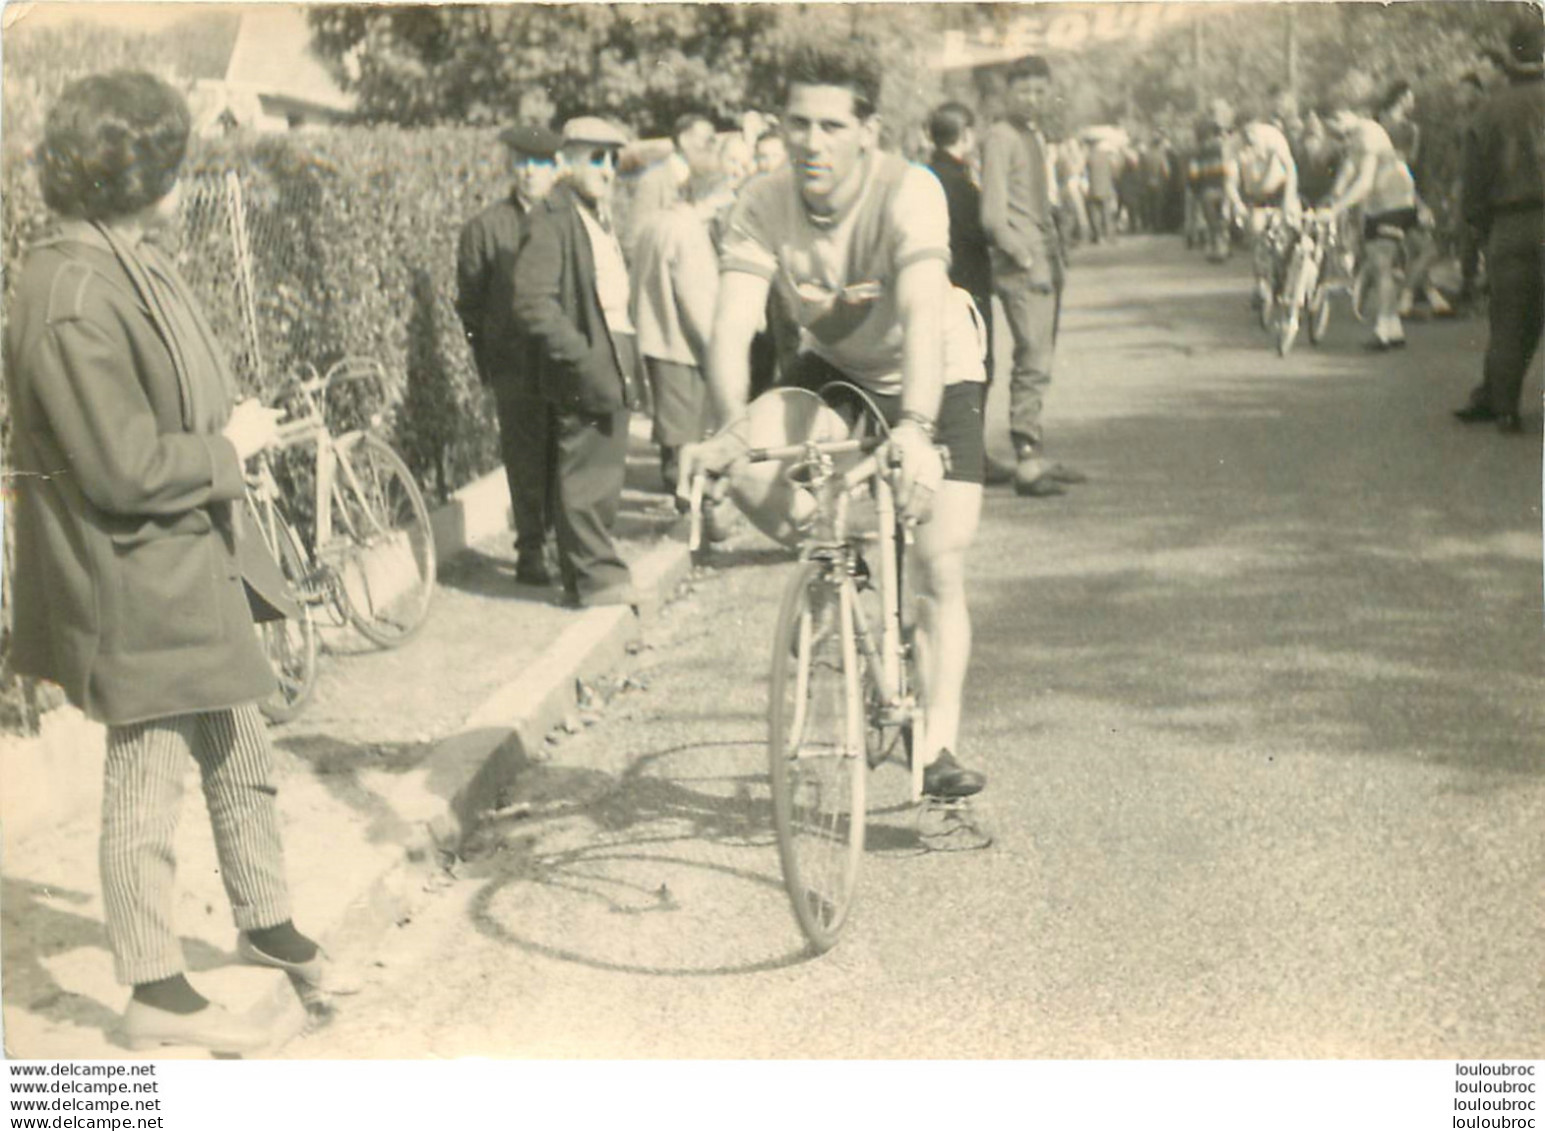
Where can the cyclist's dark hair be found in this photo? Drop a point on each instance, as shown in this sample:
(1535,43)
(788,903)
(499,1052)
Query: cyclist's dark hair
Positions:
(1030,67)
(848,65)
(948,122)
(112,144)
(1398,90)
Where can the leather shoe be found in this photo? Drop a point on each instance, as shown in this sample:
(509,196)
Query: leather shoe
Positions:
(1383,345)
(319,973)
(213,1028)
(533,574)
(1033,478)
(1475,413)
(945,777)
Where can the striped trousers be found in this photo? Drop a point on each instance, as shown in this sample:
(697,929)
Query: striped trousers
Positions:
(141,801)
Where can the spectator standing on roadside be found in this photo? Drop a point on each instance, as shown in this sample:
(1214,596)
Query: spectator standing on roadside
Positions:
(675,283)
(572,295)
(1504,197)
(952,129)
(127,447)
(1069,169)
(772,153)
(1101,198)
(693,141)
(1467,241)
(485,303)
(1027,266)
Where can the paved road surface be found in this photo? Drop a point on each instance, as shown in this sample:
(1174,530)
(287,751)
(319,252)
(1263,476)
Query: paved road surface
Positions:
(1262,709)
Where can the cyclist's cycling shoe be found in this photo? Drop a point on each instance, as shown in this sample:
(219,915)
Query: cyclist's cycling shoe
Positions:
(947,778)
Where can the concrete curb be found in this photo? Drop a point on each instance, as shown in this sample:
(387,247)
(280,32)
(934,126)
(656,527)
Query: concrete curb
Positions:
(471,768)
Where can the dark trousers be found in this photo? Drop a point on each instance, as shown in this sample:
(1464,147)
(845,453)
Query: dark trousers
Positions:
(1032,317)
(1099,218)
(1517,278)
(592,468)
(528,446)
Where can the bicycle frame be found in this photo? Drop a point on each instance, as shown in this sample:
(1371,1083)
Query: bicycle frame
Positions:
(813,468)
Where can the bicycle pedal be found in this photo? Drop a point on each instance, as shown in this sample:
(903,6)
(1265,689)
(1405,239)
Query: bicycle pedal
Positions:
(952,824)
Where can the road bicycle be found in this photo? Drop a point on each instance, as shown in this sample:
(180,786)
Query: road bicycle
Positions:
(1307,284)
(844,696)
(367,554)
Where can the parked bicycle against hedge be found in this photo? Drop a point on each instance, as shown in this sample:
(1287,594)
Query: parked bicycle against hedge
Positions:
(368,555)
(844,697)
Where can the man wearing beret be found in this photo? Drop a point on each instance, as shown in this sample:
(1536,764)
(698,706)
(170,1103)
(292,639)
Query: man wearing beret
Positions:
(485,302)
(571,299)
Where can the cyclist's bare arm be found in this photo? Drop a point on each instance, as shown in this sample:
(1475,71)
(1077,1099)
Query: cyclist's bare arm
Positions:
(1363,168)
(737,314)
(922,292)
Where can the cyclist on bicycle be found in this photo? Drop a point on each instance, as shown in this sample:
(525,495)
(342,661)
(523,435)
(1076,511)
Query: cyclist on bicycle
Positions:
(857,242)
(1373,175)
(1209,176)
(1262,176)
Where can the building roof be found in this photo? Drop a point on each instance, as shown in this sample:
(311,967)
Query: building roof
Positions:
(273,56)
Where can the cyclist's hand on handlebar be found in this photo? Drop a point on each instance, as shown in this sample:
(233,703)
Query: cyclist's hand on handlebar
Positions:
(921,470)
(711,458)
(252,427)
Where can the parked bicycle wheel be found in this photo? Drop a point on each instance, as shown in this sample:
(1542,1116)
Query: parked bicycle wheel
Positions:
(815,750)
(385,568)
(291,644)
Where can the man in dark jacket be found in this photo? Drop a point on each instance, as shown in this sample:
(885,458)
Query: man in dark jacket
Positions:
(485,302)
(571,298)
(952,127)
(1504,197)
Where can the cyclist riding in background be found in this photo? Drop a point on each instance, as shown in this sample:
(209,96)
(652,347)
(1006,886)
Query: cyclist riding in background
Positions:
(857,243)
(1373,176)
(1261,175)
(1209,175)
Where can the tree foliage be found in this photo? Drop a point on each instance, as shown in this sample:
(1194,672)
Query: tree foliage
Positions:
(642,64)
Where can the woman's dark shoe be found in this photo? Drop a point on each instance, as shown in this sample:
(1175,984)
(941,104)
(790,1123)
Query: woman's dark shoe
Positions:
(947,778)
(320,972)
(213,1028)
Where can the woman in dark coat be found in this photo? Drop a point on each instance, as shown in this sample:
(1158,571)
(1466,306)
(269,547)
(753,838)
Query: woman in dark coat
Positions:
(127,454)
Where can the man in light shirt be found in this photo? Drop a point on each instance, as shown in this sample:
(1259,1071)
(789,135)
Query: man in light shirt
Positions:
(571,298)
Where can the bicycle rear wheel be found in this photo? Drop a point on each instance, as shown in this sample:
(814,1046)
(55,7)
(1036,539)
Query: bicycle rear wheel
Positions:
(386,569)
(815,750)
(290,644)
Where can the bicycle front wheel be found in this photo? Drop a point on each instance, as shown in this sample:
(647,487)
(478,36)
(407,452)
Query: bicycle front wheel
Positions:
(385,551)
(290,644)
(815,750)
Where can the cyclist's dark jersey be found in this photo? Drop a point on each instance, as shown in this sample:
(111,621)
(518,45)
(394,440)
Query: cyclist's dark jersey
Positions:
(1317,165)
(1212,157)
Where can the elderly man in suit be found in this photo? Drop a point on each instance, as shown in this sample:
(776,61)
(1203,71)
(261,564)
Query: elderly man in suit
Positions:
(571,298)
(485,303)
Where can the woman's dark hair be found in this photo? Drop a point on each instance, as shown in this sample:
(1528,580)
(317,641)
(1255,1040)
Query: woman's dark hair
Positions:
(847,65)
(112,145)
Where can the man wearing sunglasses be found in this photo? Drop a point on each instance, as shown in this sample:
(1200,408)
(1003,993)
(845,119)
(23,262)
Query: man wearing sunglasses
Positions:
(857,243)
(571,298)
